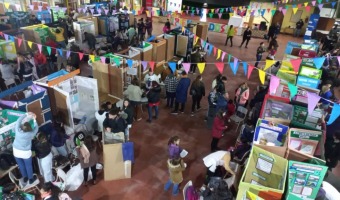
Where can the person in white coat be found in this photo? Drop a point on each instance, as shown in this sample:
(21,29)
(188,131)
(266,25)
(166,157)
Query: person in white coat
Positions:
(100,116)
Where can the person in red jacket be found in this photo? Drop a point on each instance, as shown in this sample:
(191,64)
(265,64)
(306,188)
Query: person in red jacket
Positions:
(217,129)
(40,61)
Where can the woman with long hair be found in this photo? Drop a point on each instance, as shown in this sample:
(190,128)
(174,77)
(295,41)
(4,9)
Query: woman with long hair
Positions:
(153,99)
(197,91)
(217,130)
(127,109)
(242,95)
(88,157)
(173,147)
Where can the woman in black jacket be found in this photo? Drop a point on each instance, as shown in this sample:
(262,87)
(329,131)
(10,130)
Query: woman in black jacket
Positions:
(197,91)
(127,109)
(42,149)
(153,98)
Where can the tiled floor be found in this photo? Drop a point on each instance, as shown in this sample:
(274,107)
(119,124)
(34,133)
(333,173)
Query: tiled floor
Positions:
(149,172)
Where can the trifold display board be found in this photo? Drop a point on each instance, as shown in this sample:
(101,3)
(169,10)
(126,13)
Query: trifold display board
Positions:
(264,176)
(36,33)
(304,180)
(146,51)
(90,19)
(303,119)
(73,96)
(28,97)
(309,77)
(271,136)
(80,28)
(277,109)
(170,46)
(8,50)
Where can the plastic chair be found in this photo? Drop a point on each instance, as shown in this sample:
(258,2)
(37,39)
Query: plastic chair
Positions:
(28,187)
(189,183)
(239,116)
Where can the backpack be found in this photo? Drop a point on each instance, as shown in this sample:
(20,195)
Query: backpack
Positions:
(191,193)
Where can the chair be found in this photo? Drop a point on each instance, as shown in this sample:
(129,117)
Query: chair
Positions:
(28,187)
(189,183)
(239,116)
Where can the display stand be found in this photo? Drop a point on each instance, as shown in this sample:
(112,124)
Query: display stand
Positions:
(91,19)
(170,46)
(74,97)
(146,51)
(36,33)
(80,28)
(202,31)
(7,50)
(277,110)
(158,50)
(265,175)
(28,97)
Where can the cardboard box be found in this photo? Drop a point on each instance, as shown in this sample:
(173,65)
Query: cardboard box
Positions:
(170,46)
(202,31)
(159,50)
(114,167)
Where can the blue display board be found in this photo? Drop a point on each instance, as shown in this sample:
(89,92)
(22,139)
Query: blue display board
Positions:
(313,22)
(307,82)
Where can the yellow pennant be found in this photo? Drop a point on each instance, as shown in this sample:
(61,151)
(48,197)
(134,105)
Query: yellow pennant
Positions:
(196,39)
(218,53)
(294,10)
(29,44)
(147,13)
(269,63)
(306,4)
(183,29)
(201,67)
(7,5)
(92,58)
(231,14)
(262,76)
(212,10)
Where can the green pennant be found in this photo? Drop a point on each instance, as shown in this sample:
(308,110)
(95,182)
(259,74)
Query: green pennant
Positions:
(229,58)
(320,1)
(221,10)
(117,61)
(292,89)
(48,50)
(211,15)
(273,12)
(287,7)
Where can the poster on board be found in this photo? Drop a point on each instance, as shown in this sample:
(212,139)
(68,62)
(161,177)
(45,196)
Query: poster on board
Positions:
(304,180)
(270,132)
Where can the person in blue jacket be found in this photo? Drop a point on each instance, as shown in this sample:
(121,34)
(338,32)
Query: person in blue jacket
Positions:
(22,145)
(181,93)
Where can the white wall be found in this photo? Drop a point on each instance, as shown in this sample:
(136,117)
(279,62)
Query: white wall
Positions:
(174,8)
(327,12)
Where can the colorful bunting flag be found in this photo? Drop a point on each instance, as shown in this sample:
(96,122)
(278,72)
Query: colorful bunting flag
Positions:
(145,65)
(81,55)
(29,44)
(293,89)
(245,68)
(215,51)
(313,100)
(152,65)
(269,63)
(295,10)
(296,64)
(92,58)
(223,54)
(306,4)
(284,11)
(219,15)
(320,6)
(68,53)
(129,62)
(60,52)
(5,36)
(319,62)
(307,8)
(219,54)
(234,66)
(262,76)
(273,12)
(334,114)
(229,58)
(186,67)
(201,67)
(220,67)
(274,83)
(333,4)
(117,61)
(19,41)
(103,59)
(313,3)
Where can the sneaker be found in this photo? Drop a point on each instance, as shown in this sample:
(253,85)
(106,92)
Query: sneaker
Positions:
(31,181)
(174,112)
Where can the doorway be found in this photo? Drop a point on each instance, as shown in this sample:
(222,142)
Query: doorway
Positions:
(277,18)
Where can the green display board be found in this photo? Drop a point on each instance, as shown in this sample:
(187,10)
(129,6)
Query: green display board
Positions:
(291,78)
(58,14)
(304,141)
(302,119)
(304,180)
(43,33)
(310,72)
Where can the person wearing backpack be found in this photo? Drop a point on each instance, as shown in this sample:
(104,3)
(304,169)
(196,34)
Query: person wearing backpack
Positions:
(197,91)
(175,166)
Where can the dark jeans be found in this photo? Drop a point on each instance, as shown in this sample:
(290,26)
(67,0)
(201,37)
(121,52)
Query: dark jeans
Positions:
(258,58)
(94,173)
(196,100)
(245,40)
(231,40)
(141,36)
(25,167)
(214,143)
(150,111)
(193,68)
(177,106)
(170,97)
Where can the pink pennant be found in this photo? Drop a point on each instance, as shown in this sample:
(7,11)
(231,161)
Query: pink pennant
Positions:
(186,67)
(313,100)
(103,59)
(219,15)
(308,8)
(106,11)
(217,10)
(81,55)
(338,59)
(188,7)
(187,11)
(31,7)
(280,8)
(39,47)
(296,64)
(220,67)
(79,10)
(250,70)
(313,3)
(152,65)
(268,10)
(19,41)
(274,83)
(223,54)
(299,5)
(145,65)
(6,36)
(215,49)
(284,11)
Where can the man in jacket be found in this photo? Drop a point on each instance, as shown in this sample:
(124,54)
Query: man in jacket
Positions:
(246,37)
(113,123)
(259,52)
(298,28)
(181,93)
(171,83)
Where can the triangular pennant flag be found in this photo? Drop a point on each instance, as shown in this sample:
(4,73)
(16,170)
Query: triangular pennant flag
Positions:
(299,5)
(338,59)
(268,10)
(145,65)
(211,15)
(269,63)
(152,65)
(6,5)
(60,52)
(12,38)
(313,100)
(273,12)
(5,36)
(320,1)
(29,44)
(19,41)
(296,64)
(211,47)
(293,89)
(48,50)
(186,67)
(201,67)
(68,53)
(215,51)
(319,62)
(334,114)
(231,14)
(172,66)
(117,61)
(223,54)
(313,3)
(212,10)
(284,11)
(262,76)
(320,6)
(234,66)
(280,8)
(333,4)
(308,8)
(250,70)
(103,59)
(129,62)
(220,67)
(92,57)
(229,58)
(245,68)
(196,39)
(81,55)
(219,15)
(294,10)
(219,51)
(274,83)
(306,4)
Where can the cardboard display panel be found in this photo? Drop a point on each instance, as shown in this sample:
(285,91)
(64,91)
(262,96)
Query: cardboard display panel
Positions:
(113,162)
(182,44)
(159,50)
(92,19)
(116,82)
(170,46)
(202,31)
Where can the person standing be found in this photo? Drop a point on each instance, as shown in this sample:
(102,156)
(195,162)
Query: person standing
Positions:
(242,95)
(217,130)
(195,58)
(246,37)
(141,29)
(298,27)
(175,167)
(272,47)
(197,91)
(22,145)
(153,99)
(91,40)
(127,109)
(40,62)
(134,94)
(88,158)
(42,149)
(171,83)
(148,26)
(260,50)
(181,93)
(59,37)
(271,32)
(173,147)
(100,117)
(230,35)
